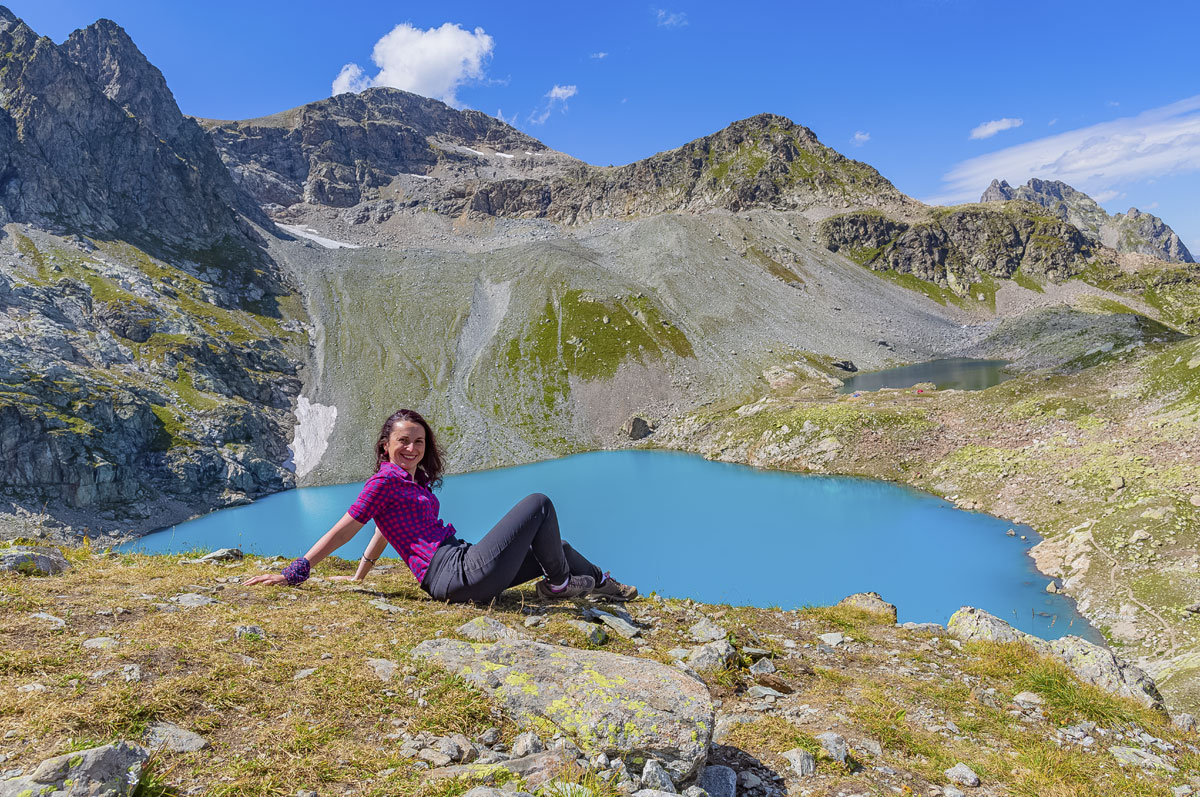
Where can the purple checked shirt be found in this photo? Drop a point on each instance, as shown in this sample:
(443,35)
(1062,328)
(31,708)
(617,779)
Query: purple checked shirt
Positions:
(405,513)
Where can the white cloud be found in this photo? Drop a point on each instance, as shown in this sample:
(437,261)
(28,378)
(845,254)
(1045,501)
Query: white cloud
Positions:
(599,55)
(670,19)
(433,63)
(511,120)
(1104,196)
(989,129)
(555,98)
(1052,122)
(860,138)
(1158,142)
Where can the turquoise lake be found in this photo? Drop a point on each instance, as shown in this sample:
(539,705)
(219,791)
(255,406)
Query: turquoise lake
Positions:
(683,526)
(953,373)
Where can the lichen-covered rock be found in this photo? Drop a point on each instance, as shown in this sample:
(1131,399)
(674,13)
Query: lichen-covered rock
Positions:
(871,602)
(33,560)
(109,771)
(620,705)
(1091,663)
(485,629)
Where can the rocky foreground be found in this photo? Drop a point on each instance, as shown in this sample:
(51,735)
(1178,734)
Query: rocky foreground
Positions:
(166,673)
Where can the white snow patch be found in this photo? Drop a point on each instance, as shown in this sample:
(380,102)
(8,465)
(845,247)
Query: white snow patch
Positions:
(421,176)
(310,234)
(477,152)
(505,155)
(314,424)
(527,152)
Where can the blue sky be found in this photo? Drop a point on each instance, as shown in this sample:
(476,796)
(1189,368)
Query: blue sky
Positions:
(1103,95)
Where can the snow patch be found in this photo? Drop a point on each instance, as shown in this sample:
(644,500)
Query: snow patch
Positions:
(311,234)
(314,424)
(505,155)
(527,152)
(477,152)
(421,176)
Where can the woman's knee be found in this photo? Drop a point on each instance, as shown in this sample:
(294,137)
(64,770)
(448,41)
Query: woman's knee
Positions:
(538,501)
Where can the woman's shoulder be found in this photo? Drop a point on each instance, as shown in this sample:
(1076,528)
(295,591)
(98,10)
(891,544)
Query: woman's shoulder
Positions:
(392,475)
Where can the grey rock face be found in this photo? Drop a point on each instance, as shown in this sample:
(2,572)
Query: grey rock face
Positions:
(485,629)
(604,702)
(1092,663)
(1132,231)
(637,428)
(37,560)
(109,771)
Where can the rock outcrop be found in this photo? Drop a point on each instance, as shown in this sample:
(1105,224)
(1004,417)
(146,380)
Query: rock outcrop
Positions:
(607,703)
(965,244)
(113,770)
(1092,663)
(1132,231)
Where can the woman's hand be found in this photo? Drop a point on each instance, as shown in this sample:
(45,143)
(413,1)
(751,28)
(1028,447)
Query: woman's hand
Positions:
(354,579)
(271,579)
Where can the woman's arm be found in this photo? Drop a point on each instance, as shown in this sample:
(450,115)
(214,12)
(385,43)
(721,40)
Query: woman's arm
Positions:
(374,548)
(335,538)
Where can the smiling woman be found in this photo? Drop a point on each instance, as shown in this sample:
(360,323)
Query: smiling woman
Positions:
(399,498)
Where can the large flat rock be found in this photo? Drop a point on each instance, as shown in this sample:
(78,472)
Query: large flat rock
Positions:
(623,706)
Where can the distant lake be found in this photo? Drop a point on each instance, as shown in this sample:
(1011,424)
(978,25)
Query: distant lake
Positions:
(955,373)
(683,526)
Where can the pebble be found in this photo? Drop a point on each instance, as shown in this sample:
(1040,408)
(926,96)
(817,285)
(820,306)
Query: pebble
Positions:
(654,776)
(762,667)
(962,774)
(302,674)
(243,631)
(57,622)
(192,600)
(527,744)
(834,639)
(594,634)
(100,643)
(803,763)
(706,631)
(835,745)
(173,739)
(384,669)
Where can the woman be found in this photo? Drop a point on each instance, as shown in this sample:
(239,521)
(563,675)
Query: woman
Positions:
(524,545)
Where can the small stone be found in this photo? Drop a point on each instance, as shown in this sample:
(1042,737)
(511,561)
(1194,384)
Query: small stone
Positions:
(484,629)
(591,632)
(1029,700)
(870,746)
(535,620)
(384,669)
(654,776)
(435,757)
(527,744)
(1141,535)
(489,737)
(835,745)
(712,656)
(803,763)
(1140,758)
(963,775)
(192,600)
(30,688)
(682,653)
(953,791)
(57,622)
(1184,721)
(756,653)
(748,780)
(706,631)
(132,673)
(774,682)
(1052,588)
(302,674)
(100,643)
(718,781)
(251,631)
(762,667)
(382,605)
(759,692)
(1116,483)
(834,639)
(1011,532)
(694,791)
(1194,500)
(173,739)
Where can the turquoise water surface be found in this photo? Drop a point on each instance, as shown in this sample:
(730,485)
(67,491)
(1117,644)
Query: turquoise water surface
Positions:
(687,527)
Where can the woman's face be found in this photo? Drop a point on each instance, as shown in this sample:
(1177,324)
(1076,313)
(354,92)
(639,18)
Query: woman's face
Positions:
(406,446)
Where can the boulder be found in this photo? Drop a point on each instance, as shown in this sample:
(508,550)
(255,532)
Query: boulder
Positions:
(871,602)
(1092,663)
(803,763)
(535,770)
(719,781)
(637,428)
(623,706)
(712,656)
(109,771)
(33,560)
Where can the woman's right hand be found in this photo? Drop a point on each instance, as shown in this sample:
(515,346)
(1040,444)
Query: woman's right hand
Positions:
(270,579)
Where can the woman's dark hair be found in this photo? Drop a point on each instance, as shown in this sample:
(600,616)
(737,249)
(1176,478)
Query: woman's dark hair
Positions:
(429,470)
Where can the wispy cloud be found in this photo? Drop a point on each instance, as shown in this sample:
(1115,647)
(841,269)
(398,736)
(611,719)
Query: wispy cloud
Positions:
(433,62)
(599,55)
(1104,196)
(670,19)
(989,129)
(859,138)
(511,120)
(555,98)
(1154,143)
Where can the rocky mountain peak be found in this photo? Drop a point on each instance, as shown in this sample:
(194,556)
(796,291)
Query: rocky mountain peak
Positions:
(110,59)
(1134,231)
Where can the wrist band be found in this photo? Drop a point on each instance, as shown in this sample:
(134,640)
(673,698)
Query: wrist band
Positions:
(297,572)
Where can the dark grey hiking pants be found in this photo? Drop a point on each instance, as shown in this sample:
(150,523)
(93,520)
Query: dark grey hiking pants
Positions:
(523,546)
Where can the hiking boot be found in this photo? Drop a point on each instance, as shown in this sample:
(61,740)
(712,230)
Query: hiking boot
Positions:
(577,587)
(611,589)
